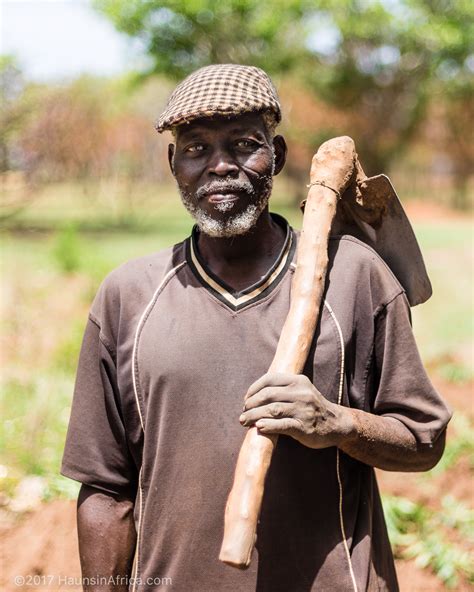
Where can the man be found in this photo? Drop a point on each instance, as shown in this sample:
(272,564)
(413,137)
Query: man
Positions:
(175,340)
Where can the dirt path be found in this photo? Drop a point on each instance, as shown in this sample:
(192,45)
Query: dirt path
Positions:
(41,548)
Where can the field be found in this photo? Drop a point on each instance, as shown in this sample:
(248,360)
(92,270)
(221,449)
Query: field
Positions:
(54,255)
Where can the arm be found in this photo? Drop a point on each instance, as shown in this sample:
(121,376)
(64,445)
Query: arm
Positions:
(107,538)
(290,405)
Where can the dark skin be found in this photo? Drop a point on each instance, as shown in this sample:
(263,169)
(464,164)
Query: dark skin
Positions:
(240,148)
(107,537)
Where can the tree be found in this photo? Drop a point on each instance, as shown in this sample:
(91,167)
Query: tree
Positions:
(379,62)
(388,63)
(181,35)
(64,138)
(12,111)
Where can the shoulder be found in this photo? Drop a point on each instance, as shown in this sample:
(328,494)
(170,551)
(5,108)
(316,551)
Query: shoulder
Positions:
(127,289)
(358,270)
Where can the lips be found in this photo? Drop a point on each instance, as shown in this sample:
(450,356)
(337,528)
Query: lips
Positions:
(222,197)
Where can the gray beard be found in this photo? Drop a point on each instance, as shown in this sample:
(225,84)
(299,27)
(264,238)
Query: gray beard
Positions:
(232,225)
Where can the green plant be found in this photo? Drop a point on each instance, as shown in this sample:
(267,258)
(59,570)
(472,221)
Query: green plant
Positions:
(455,372)
(35,414)
(461,443)
(66,251)
(65,357)
(58,486)
(417,533)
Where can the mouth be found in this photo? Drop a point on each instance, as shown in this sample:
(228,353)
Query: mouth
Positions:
(219,198)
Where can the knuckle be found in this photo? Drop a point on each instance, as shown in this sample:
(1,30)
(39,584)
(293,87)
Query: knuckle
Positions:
(276,410)
(301,426)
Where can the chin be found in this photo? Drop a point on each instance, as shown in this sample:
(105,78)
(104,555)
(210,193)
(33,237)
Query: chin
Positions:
(226,225)
(235,225)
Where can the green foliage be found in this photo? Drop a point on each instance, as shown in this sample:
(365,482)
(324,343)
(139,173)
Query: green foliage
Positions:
(457,515)
(455,372)
(58,486)
(180,36)
(462,444)
(66,355)
(388,64)
(382,63)
(66,251)
(443,325)
(35,413)
(12,111)
(416,532)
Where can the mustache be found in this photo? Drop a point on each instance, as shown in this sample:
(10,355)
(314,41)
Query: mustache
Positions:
(224,186)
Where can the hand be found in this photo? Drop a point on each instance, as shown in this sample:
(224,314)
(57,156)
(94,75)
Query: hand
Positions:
(291,405)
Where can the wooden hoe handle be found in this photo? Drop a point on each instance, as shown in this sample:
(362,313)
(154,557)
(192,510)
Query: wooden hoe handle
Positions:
(332,169)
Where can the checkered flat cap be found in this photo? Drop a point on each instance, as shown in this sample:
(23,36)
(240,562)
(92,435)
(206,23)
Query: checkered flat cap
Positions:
(220,89)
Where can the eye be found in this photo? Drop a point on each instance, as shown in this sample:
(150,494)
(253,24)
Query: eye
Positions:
(194,148)
(246,144)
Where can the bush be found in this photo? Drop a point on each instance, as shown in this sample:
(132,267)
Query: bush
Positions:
(66,250)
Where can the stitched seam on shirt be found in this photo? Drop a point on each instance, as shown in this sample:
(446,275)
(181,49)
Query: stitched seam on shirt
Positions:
(356,241)
(335,332)
(103,339)
(338,473)
(141,324)
(95,320)
(234,313)
(378,311)
(383,306)
(139,531)
(368,366)
(273,293)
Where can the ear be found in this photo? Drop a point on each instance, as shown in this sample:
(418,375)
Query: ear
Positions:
(171,148)
(281,150)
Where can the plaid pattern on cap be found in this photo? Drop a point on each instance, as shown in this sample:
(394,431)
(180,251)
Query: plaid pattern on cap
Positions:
(220,89)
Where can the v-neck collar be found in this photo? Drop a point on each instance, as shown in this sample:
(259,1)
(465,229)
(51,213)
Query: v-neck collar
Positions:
(238,299)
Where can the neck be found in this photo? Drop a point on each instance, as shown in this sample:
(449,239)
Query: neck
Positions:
(242,259)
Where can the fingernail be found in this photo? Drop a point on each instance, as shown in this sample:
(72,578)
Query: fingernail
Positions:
(242,417)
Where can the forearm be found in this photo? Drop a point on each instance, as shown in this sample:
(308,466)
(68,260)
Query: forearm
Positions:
(385,443)
(290,405)
(107,538)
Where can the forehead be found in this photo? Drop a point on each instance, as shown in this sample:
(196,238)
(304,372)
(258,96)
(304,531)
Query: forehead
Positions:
(247,122)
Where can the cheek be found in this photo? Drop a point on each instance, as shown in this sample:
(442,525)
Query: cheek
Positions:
(186,176)
(259,165)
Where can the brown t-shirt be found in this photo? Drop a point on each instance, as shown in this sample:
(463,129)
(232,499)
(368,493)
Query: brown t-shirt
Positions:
(168,354)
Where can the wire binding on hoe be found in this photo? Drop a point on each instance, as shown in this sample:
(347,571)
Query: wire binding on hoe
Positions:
(323,184)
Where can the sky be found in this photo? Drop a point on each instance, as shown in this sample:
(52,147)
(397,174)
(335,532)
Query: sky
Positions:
(56,40)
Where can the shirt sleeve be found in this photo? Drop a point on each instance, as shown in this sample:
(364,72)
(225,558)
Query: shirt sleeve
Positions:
(403,389)
(96,451)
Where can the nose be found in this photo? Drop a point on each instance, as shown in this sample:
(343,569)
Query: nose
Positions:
(222,164)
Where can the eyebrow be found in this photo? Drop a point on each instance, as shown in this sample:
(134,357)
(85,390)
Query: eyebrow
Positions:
(200,130)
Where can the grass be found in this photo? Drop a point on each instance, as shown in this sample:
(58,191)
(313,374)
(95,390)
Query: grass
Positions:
(460,445)
(443,326)
(416,532)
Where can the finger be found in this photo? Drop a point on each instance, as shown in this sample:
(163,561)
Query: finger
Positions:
(284,427)
(274,410)
(270,394)
(270,379)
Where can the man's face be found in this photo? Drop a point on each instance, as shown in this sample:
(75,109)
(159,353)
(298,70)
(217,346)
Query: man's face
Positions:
(224,168)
